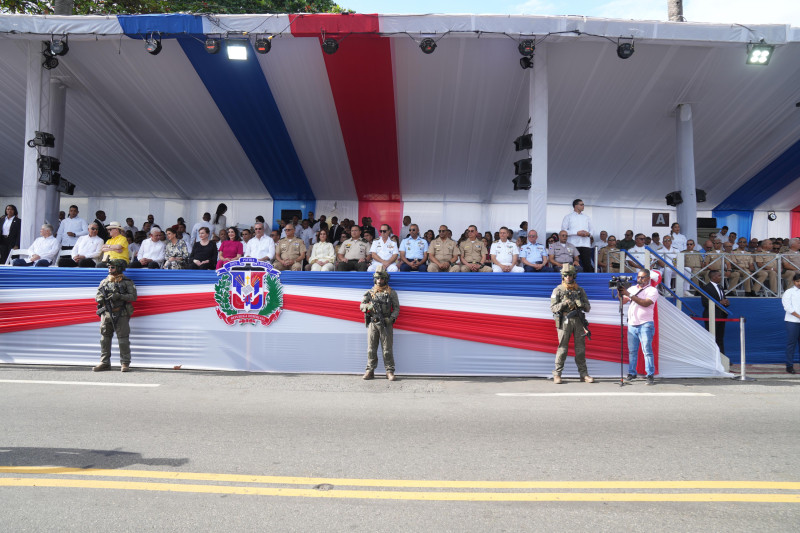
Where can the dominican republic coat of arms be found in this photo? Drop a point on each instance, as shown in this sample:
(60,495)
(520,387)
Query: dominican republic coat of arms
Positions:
(248,291)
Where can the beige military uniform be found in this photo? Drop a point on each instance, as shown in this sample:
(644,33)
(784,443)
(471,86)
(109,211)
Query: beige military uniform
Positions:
(768,259)
(743,266)
(443,251)
(793,260)
(289,249)
(713,261)
(609,257)
(472,252)
(357,249)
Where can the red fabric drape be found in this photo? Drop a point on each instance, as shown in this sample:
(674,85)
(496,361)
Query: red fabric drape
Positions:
(795,221)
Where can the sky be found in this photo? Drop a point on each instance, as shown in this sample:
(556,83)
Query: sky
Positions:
(723,11)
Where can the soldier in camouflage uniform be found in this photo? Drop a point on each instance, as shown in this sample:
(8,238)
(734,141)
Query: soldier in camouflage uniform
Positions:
(568,303)
(380,306)
(119,291)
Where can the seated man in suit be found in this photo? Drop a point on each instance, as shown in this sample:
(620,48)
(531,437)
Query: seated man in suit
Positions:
(714,288)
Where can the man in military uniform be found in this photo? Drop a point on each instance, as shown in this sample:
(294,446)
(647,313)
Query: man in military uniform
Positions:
(767,266)
(568,304)
(380,306)
(114,297)
(742,267)
(473,253)
(692,265)
(353,252)
(608,256)
(443,253)
(290,251)
(563,253)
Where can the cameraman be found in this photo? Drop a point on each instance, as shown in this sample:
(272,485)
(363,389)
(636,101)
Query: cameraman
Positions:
(641,325)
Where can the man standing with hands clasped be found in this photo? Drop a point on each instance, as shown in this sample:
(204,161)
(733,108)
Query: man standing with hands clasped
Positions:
(641,323)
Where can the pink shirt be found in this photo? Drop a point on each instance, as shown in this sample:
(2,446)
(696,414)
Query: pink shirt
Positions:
(638,315)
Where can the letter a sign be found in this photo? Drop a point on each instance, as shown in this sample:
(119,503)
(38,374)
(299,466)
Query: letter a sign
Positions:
(660,219)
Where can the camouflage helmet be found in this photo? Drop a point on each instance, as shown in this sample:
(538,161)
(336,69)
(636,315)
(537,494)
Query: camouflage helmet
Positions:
(118,264)
(380,273)
(568,270)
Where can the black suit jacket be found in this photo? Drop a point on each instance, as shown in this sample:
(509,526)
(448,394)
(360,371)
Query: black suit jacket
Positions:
(710,289)
(102,232)
(12,240)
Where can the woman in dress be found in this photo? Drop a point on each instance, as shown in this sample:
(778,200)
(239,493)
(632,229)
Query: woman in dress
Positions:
(175,251)
(322,254)
(231,248)
(204,252)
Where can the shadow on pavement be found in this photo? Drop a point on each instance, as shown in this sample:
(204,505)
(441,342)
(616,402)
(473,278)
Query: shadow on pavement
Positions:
(80,458)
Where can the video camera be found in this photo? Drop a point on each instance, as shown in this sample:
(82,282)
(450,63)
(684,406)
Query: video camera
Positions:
(620,282)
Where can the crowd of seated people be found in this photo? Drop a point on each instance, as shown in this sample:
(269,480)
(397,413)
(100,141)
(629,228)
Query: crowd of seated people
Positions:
(748,267)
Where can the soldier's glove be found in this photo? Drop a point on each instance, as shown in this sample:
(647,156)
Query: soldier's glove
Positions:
(116,298)
(366,307)
(579,304)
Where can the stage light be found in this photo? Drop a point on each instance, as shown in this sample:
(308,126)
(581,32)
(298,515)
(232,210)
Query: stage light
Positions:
(523,166)
(43,139)
(701,195)
(522,182)
(49,62)
(65,186)
(625,50)
(49,177)
(526,62)
(772,216)
(212,46)
(759,54)
(524,142)
(237,49)
(263,46)
(330,46)
(526,48)
(153,45)
(427,45)
(59,47)
(46,162)
(674,198)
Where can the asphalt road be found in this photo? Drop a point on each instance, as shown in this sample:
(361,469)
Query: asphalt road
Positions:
(207,451)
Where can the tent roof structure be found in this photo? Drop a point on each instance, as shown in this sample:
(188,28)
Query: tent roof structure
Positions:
(380,120)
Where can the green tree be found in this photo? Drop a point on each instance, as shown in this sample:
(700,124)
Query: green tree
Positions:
(97,7)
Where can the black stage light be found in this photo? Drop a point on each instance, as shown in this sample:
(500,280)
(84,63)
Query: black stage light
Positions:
(625,50)
(263,46)
(65,186)
(522,182)
(47,162)
(212,46)
(700,194)
(427,45)
(49,177)
(524,142)
(526,48)
(49,62)
(59,47)
(525,62)
(674,198)
(329,46)
(772,216)
(759,54)
(523,166)
(153,45)
(44,139)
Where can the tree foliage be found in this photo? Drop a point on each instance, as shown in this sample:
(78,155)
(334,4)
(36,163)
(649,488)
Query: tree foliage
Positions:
(101,7)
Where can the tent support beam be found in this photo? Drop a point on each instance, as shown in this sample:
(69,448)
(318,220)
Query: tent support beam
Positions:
(538,107)
(33,207)
(684,171)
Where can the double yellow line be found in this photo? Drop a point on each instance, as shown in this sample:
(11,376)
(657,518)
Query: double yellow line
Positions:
(449,490)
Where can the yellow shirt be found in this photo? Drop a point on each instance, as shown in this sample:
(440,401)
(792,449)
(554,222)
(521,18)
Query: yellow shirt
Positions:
(122,241)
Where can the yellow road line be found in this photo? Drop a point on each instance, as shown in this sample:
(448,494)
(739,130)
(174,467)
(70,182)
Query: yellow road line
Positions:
(407,483)
(401,495)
